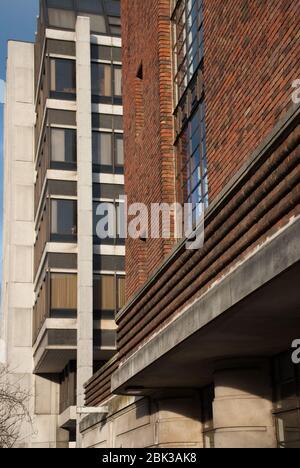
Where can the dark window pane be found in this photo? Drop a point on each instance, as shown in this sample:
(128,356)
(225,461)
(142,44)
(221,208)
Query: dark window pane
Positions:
(117,81)
(101,52)
(104,293)
(64,19)
(102,149)
(64,217)
(119,150)
(63,76)
(101,80)
(61,4)
(118,122)
(92,6)
(63,145)
(117,54)
(63,292)
(113,7)
(98,24)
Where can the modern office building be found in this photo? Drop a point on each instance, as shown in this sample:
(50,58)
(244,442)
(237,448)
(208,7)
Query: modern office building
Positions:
(205,338)
(62,285)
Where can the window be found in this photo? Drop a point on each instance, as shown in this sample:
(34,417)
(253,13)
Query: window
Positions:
(63,220)
(119,150)
(61,18)
(101,80)
(106,83)
(114,25)
(121,292)
(286,381)
(93,6)
(187,42)
(189,102)
(102,150)
(63,148)
(109,54)
(98,24)
(108,154)
(114,238)
(106,121)
(68,4)
(192,186)
(63,79)
(109,293)
(63,297)
(117,81)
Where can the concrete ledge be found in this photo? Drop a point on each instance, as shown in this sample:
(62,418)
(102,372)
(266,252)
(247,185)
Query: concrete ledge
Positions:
(68,417)
(268,261)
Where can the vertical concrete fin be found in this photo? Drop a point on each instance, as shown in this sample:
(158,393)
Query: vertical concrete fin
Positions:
(85,213)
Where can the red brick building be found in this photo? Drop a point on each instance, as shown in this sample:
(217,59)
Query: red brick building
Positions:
(205,339)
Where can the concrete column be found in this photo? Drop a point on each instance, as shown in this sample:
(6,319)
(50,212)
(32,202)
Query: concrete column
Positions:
(85,214)
(243,405)
(177,420)
(18,221)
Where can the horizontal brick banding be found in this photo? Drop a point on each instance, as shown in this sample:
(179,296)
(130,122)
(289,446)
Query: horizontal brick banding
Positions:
(98,387)
(268,196)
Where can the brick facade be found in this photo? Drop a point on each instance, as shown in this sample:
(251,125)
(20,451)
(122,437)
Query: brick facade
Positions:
(252,52)
(148,124)
(251,57)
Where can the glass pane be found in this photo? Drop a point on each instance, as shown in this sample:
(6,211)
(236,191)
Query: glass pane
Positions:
(63,292)
(93,6)
(102,149)
(70,146)
(117,81)
(64,217)
(97,22)
(61,3)
(119,150)
(112,7)
(117,54)
(63,76)
(63,145)
(121,293)
(101,52)
(104,293)
(61,18)
(58,145)
(101,79)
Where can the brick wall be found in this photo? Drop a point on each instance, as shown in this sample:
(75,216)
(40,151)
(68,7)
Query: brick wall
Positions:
(148,124)
(252,56)
(252,51)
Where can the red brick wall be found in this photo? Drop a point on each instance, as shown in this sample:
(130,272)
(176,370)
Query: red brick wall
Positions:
(252,56)
(149,171)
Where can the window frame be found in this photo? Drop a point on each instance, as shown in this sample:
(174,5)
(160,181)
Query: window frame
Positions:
(63,165)
(62,95)
(61,237)
(116,241)
(113,99)
(114,168)
(62,312)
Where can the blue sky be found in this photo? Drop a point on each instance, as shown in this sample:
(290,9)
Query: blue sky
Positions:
(18,22)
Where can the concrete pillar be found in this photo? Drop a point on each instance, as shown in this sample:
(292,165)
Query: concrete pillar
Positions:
(85,213)
(243,405)
(177,419)
(18,221)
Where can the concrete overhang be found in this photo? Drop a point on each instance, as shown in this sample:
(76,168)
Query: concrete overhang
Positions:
(67,420)
(252,311)
(55,346)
